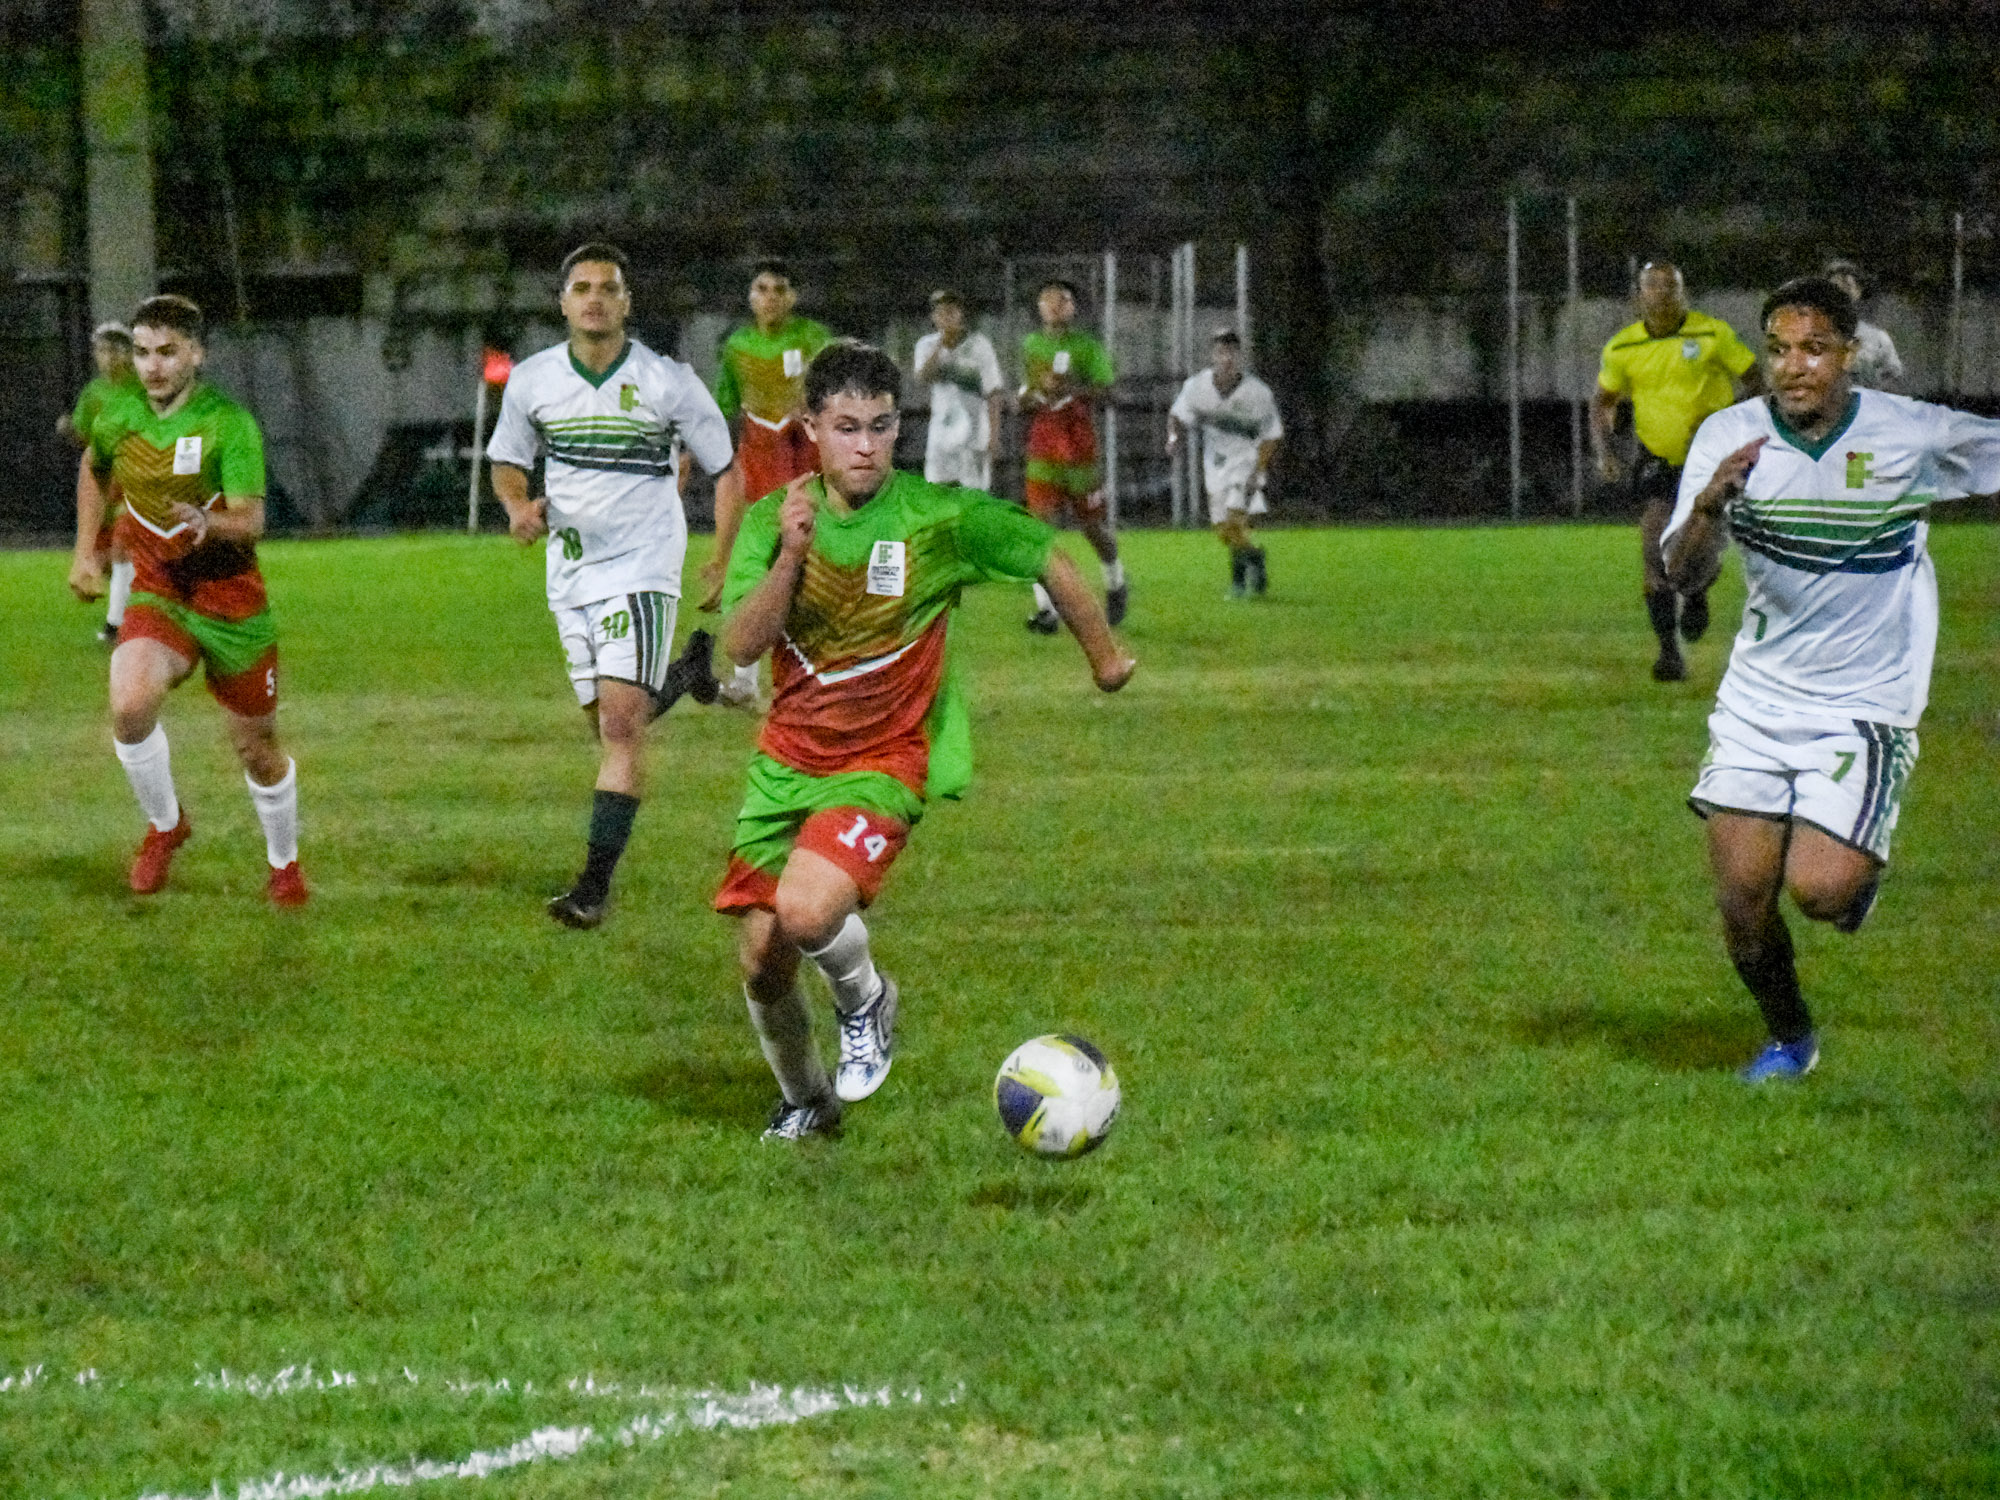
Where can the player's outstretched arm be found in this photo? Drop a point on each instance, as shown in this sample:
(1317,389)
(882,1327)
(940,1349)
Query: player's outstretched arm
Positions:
(1110,665)
(757,624)
(86,567)
(1694,555)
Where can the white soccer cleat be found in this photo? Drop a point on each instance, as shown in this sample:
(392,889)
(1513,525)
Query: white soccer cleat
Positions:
(867,1045)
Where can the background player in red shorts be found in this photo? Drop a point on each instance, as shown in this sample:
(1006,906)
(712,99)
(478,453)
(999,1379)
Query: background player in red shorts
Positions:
(187,465)
(1068,375)
(760,386)
(849,578)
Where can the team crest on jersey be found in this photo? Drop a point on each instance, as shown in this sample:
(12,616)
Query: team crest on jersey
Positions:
(1857,470)
(628,396)
(1690,349)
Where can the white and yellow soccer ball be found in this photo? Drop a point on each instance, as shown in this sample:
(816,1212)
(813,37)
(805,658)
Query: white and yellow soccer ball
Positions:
(1057,1096)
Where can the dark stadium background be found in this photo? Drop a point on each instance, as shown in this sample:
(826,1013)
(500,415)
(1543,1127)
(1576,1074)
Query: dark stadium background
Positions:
(418,170)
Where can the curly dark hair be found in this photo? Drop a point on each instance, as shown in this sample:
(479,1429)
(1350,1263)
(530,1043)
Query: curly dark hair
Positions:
(851,367)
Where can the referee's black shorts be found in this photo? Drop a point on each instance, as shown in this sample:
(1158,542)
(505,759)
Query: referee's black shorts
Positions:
(1653,478)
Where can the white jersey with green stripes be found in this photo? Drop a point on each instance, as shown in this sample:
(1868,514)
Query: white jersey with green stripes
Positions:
(1841,620)
(613,444)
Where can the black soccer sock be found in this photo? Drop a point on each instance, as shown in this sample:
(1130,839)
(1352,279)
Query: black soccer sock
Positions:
(1239,567)
(1660,610)
(1771,975)
(1256,570)
(611,815)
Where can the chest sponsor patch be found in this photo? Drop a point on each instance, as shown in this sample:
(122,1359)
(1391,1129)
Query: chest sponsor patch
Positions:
(795,363)
(888,570)
(1060,364)
(187,454)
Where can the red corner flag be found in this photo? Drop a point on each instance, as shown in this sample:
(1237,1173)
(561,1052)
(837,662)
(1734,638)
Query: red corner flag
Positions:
(499,364)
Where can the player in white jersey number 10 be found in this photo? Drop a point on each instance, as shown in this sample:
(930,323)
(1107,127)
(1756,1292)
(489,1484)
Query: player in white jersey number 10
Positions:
(1824,488)
(614,421)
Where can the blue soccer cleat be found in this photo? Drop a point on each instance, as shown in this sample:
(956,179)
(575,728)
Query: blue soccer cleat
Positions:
(1782,1060)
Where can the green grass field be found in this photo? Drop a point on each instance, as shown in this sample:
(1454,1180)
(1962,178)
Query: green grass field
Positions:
(1433,1178)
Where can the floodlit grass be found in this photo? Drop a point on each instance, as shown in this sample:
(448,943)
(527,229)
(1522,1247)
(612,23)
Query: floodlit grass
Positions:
(1432,1181)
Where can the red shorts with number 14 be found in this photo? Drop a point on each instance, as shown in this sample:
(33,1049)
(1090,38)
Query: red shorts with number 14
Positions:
(861,843)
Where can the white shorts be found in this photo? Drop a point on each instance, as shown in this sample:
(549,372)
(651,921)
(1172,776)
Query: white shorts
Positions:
(627,638)
(1238,497)
(1846,782)
(966,465)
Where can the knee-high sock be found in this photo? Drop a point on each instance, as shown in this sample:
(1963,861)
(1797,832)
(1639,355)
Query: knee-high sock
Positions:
(120,592)
(784,1031)
(844,960)
(149,768)
(1660,610)
(278,810)
(1770,973)
(1114,574)
(611,815)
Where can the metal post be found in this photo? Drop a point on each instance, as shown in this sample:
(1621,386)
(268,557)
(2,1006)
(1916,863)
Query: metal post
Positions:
(1111,410)
(1954,358)
(1176,363)
(1513,360)
(1572,356)
(1243,301)
(1191,353)
(478,448)
(118,156)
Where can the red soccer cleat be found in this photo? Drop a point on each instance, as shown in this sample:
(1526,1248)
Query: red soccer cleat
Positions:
(288,886)
(149,865)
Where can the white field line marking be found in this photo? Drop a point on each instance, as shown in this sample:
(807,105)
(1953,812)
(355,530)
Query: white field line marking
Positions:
(700,1411)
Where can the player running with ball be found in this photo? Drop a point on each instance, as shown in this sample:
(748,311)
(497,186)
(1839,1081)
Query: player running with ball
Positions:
(849,577)
(1825,489)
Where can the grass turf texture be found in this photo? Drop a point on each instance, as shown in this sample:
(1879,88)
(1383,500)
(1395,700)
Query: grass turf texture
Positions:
(1432,1179)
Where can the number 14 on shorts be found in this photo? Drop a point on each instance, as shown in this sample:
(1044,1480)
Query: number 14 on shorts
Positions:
(858,838)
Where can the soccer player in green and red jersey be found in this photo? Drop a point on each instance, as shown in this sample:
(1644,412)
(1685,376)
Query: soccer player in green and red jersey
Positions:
(187,465)
(849,577)
(760,386)
(111,350)
(1068,376)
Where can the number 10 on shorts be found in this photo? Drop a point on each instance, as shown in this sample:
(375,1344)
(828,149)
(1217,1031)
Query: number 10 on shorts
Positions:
(874,845)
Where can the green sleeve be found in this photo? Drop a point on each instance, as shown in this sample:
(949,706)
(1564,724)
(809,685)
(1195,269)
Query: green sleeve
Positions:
(755,550)
(89,402)
(998,541)
(241,470)
(1736,356)
(728,395)
(1101,372)
(818,336)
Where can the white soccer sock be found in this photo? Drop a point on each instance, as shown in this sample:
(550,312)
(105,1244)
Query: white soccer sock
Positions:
(845,962)
(121,590)
(150,770)
(784,1031)
(278,811)
(1043,602)
(746,680)
(1114,573)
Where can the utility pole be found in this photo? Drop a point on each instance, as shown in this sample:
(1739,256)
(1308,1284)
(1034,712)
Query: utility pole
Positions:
(118,157)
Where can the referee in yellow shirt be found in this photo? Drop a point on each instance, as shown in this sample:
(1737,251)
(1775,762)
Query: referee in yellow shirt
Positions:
(1676,366)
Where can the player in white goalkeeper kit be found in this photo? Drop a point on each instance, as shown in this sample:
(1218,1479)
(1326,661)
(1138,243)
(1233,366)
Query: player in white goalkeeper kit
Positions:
(613,419)
(1824,488)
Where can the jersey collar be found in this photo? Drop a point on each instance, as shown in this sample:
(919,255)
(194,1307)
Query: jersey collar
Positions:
(591,375)
(1811,449)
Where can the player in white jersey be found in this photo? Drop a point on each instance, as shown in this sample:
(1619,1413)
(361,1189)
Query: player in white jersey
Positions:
(1876,363)
(963,373)
(1238,420)
(1824,488)
(614,421)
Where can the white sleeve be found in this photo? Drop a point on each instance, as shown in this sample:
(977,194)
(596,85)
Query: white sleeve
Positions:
(923,350)
(703,431)
(1274,426)
(1182,411)
(989,364)
(514,439)
(1714,442)
(1968,453)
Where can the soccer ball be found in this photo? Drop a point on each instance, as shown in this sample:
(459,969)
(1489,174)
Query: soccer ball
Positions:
(1057,1096)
